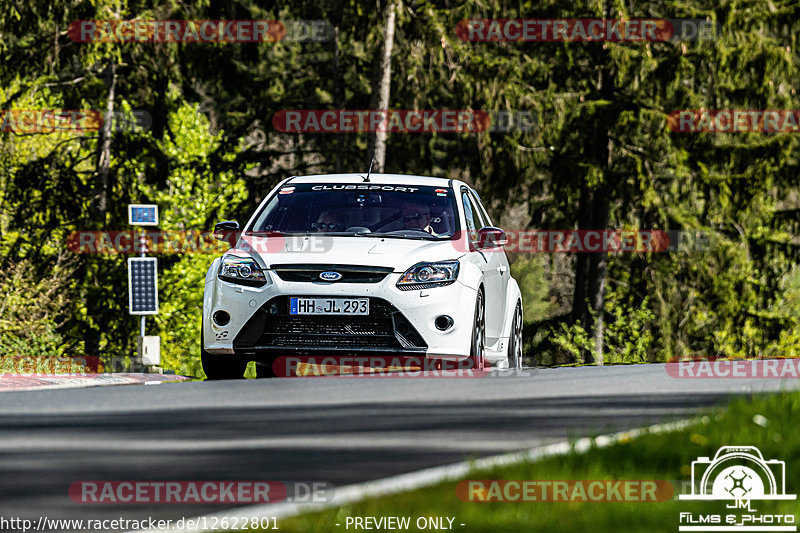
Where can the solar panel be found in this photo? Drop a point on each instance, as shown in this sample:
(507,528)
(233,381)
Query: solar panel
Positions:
(142,285)
(143,214)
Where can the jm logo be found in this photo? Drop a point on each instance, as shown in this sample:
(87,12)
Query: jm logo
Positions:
(741,504)
(738,473)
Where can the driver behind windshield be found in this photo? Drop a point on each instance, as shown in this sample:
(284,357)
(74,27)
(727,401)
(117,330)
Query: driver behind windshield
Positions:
(329,221)
(417,216)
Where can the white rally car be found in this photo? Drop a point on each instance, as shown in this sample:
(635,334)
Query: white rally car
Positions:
(345,264)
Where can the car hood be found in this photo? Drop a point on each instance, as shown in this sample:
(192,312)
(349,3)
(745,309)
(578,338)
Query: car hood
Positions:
(399,254)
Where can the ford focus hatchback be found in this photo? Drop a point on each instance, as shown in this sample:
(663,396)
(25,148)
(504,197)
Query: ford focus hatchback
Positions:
(343,265)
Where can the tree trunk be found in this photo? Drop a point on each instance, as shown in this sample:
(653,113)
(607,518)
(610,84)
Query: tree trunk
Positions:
(590,273)
(104,147)
(594,208)
(579,312)
(600,220)
(338,97)
(100,203)
(597,277)
(378,140)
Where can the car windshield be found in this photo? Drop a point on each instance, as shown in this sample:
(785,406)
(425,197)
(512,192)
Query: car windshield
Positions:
(364,209)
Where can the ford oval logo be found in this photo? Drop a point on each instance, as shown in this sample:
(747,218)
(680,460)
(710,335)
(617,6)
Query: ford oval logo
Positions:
(330,276)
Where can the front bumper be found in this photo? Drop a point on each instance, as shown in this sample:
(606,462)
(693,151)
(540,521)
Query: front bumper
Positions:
(400,322)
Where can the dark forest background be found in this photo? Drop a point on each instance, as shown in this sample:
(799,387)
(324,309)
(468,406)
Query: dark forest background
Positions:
(601,156)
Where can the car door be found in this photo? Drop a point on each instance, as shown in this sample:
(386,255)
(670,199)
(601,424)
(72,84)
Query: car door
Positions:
(501,273)
(491,264)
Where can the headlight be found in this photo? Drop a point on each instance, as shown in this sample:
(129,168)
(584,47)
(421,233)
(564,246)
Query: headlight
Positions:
(242,270)
(428,275)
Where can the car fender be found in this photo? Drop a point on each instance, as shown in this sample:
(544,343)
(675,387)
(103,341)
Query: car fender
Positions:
(470,275)
(513,295)
(497,352)
(211,273)
(208,297)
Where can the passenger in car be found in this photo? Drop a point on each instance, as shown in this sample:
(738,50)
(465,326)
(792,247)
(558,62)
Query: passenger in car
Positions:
(417,216)
(329,221)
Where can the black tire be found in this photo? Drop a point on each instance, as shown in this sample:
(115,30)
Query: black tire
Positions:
(477,352)
(515,340)
(220,366)
(265,371)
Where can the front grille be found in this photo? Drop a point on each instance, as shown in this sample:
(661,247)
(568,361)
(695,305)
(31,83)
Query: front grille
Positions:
(328,325)
(331,342)
(273,326)
(350,273)
(299,330)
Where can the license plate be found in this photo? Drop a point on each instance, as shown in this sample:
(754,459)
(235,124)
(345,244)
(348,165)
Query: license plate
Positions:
(328,306)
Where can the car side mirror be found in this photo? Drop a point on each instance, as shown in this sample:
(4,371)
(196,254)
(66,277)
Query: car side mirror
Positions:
(222,230)
(491,237)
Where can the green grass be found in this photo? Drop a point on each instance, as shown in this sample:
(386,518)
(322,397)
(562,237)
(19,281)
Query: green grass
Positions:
(768,422)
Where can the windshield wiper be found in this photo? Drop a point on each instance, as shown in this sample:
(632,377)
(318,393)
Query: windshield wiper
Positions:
(272,233)
(398,236)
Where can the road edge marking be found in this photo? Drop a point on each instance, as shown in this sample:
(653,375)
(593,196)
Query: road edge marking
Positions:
(426,477)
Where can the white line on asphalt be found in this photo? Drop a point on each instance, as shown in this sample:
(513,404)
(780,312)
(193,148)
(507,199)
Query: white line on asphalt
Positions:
(422,478)
(39,382)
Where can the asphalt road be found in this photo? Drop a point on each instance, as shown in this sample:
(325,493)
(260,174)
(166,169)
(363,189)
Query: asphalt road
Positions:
(338,431)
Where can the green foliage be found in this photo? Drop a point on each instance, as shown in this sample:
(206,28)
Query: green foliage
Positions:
(788,304)
(179,317)
(571,338)
(628,335)
(32,310)
(786,312)
(530,275)
(602,149)
(194,196)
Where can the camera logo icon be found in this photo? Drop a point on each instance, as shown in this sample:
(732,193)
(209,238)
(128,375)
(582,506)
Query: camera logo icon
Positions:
(738,473)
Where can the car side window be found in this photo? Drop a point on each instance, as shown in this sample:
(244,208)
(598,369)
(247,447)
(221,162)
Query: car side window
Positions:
(471,216)
(482,215)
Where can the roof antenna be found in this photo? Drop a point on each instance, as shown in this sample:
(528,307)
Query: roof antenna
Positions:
(370,169)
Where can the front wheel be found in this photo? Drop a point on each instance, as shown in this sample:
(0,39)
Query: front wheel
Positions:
(222,366)
(477,355)
(265,371)
(515,340)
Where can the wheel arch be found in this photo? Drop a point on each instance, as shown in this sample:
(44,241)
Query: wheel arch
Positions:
(513,296)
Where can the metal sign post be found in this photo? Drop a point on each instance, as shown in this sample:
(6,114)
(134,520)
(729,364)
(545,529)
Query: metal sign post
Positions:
(143,285)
